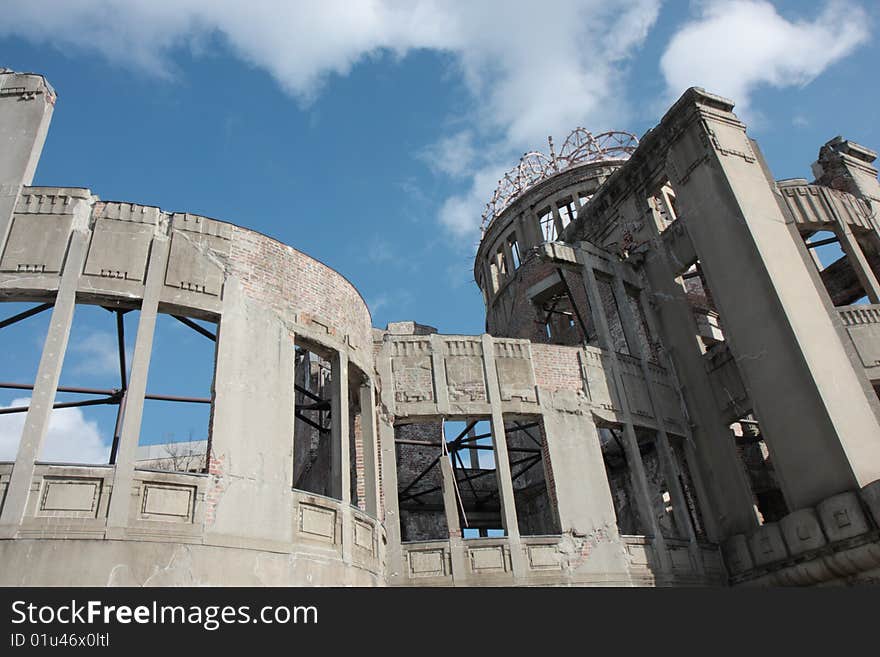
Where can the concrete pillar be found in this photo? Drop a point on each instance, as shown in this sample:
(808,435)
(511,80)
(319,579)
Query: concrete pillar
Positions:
(123,476)
(811,402)
(39,412)
(253,422)
(858,261)
(25,113)
(846,165)
(450,497)
(502,463)
(557,221)
(340,458)
(630,442)
(525,236)
(368,437)
(395,565)
(532,227)
(508,256)
(457,549)
(700,494)
(667,459)
(583,495)
(716,463)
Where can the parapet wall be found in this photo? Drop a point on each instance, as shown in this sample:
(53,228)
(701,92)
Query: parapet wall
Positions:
(240,522)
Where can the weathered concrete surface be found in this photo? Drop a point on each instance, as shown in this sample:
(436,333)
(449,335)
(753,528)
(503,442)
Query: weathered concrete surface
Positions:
(43,562)
(673,297)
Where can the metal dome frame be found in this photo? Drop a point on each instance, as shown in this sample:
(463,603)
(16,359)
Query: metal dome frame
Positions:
(580,147)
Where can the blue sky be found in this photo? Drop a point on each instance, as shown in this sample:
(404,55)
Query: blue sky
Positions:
(370,135)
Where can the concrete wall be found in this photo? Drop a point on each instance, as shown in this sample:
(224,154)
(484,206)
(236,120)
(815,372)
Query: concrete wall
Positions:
(67,247)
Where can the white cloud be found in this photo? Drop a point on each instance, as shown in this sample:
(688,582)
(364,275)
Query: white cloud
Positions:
(71,438)
(733,47)
(399,300)
(453,155)
(97,354)
(533,69)
(377,303)
(461,214)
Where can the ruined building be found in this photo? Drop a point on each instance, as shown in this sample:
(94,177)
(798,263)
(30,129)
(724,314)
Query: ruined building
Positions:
(672,388)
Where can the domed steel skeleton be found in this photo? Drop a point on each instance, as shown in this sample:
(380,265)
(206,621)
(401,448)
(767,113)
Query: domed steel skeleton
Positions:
(580,147)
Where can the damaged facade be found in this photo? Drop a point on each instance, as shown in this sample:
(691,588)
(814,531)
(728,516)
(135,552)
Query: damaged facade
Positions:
(672,389)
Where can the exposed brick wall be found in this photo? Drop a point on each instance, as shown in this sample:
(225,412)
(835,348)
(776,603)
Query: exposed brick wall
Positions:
(428,524)
(380,484)
(556,367)
(217,470)
(357,440)
(288,280)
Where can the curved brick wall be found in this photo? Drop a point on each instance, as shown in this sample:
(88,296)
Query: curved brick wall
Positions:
(290,281)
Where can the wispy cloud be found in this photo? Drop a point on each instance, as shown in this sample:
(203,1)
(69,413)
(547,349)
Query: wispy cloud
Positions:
(400,300)
(378,302)
(734,47)
(97,354)
(453,156)
(532,69)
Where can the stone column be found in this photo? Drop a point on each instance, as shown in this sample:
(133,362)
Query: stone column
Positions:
(450,497)
(699,493)
(508,256)
(340,466)
(252,423)
(857,260)
(123,476)
(368,436)
(846,165)
(630,442)
(25,113)
(727,501)
(395,564)
(39,412)
(502,463)
(582,492)
(526,233)
(340,447)
(457,550)
(811,402)
(664,451)
(557,220)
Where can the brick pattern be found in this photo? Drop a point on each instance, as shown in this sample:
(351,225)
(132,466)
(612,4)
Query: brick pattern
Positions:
(217,470)
(288,280)
(557,367)
(380,484)
(513,315)
(357,440)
